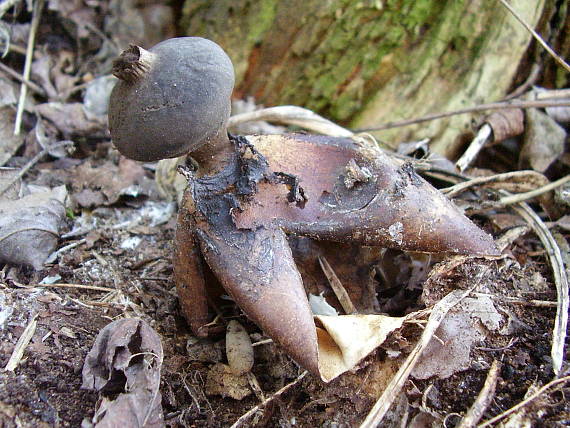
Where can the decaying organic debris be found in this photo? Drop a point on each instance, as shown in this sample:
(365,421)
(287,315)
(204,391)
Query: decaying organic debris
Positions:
(248,193)
(124,367)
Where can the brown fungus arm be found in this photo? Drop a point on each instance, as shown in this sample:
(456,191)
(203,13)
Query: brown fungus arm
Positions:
(257,269)
(356,195)
(188,273)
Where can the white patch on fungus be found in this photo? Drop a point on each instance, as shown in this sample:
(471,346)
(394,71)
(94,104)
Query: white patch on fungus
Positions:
(396,232)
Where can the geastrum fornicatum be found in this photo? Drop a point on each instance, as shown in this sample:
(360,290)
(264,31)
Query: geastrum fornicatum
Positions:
(248,193)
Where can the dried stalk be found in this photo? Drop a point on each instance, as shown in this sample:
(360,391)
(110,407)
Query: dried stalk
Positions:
(254,409)
(474,109)
(78,286)
(37,12)
(522,302)
(21,345)
(475,147)
(339,290)
(475,412)
(293,115)
(461,187)
(560,280)
(513,199)
(537,36)
(21,79)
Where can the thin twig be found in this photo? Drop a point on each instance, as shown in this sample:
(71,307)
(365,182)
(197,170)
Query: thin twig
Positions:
(461,187)
(517,301)
(537,36)
(553,94)
(509,236)
(520,197)
(37,12)
(254,409)
(339,290)
(53,256)
(32,162)
(524,402)
(474,109)
(509,345)
(79,286)
(19,78)
(475,412)
(262,342)
(475,147)
(20,347)
(92,304)
(19,50)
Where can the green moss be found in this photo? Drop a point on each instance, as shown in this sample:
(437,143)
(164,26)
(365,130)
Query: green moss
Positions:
(342,53)
(416,13)
(261,21)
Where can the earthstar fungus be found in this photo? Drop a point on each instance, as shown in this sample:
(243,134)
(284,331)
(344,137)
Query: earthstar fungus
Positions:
(248,193)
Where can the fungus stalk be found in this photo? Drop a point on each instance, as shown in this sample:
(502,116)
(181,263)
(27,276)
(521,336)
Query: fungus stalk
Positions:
(214,155)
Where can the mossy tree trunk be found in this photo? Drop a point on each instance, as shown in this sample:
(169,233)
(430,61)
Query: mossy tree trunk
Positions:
(362,63)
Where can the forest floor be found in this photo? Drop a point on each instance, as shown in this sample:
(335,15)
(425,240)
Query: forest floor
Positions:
(113,260)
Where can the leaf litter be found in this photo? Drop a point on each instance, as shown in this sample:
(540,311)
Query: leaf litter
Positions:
(30,226)
(124,367)
(499,318)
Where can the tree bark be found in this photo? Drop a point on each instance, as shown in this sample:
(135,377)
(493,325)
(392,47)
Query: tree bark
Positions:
(363,63)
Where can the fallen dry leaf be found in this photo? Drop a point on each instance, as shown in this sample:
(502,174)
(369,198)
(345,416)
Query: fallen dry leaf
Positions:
(95,184)
(222,381)
(8,91)
(126,359)
(41,68)
(7,176)
(142,23)
(460,330)
(543,141)
(564,223)
(559,114)
(29,226)
(319,306)
(78,13)
(343,341)
(239,350)
(73,120)
(506,123)
(96,98)
(10,143)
